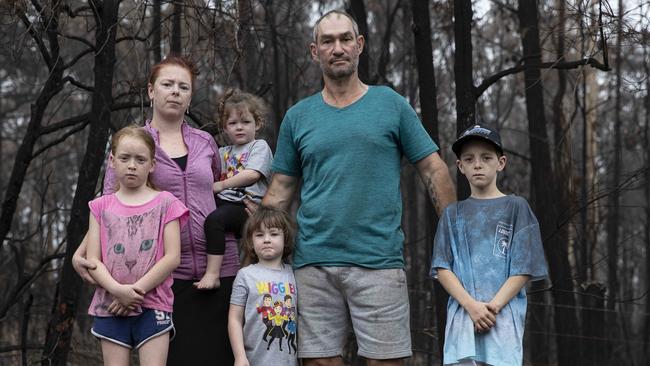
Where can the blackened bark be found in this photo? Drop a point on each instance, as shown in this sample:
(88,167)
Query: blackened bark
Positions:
(384,56)
(278,69)
(566,321)
(59,333)
(429,114)
(595,334)
(156,31)
(247,52)
(646,140)
(53,85)
(613,198)
(463,75)
(358,11)
(424,58)
(177,32)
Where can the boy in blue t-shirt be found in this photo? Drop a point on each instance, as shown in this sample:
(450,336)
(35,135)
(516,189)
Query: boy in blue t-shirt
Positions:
(486,249)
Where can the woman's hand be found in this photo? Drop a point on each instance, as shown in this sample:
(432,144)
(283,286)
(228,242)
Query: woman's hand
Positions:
(81,265)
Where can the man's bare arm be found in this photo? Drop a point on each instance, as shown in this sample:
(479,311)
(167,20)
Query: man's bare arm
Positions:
(281,191)
(434,173)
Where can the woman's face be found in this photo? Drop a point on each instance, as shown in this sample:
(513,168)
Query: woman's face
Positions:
(171,92)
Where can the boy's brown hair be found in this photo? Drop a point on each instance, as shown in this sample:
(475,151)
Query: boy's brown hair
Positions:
(270,217)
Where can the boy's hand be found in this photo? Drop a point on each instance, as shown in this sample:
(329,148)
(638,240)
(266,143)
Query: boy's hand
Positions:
(128,295)
(481,315)
(494,307)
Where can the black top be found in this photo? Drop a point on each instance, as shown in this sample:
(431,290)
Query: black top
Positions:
(181,161)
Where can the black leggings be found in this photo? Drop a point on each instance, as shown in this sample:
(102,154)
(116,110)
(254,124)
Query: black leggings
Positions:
(201,322)
(228,217)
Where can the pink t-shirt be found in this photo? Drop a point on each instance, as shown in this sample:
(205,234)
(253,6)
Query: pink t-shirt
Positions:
(193,186)
(131,239)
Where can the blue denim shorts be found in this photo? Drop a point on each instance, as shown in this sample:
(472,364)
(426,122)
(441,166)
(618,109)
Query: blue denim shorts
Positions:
(133,331)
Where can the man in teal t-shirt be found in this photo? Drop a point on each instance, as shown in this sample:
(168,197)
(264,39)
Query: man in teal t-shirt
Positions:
(346,143)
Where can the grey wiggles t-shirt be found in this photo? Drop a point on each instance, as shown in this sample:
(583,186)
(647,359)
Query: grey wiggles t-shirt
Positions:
(270,299)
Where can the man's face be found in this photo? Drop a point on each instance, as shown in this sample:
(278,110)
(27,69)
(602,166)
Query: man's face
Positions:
(337,49)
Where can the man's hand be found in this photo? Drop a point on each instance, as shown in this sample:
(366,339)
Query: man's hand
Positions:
(251,206)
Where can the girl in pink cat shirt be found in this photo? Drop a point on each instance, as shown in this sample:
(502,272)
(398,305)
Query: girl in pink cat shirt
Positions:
(134,241)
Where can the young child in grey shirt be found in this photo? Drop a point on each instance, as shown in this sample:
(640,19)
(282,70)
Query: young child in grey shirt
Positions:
(262,316)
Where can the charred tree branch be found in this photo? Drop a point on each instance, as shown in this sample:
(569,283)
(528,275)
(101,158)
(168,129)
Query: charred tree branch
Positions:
(17,291)
(78,84)
(62,138)
(566,65)
(63,124)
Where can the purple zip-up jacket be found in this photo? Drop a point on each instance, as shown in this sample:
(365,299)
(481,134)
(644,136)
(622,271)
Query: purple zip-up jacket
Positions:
(193,187)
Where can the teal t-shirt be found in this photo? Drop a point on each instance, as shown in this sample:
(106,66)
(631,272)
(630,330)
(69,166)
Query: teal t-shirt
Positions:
(349,159)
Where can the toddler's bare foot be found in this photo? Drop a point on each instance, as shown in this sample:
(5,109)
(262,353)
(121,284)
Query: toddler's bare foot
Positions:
(208,282)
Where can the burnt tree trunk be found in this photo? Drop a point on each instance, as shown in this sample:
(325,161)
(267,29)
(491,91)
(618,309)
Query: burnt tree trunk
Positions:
(463,75)
(358,11)
(177,32)
(49,21)
(543,192)
(156,31)
(278,68)
(247,52)
(646,140)
(594,319)
(59,332)
(613,197)
(429,114)
(381,76)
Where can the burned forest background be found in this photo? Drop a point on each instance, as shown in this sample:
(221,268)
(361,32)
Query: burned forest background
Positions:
(565,82)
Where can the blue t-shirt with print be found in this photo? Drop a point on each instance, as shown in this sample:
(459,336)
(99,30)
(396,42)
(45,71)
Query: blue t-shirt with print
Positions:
(483,242)
(349,159)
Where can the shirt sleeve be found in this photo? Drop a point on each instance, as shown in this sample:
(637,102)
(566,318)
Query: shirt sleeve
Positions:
(176,210)
(287,159)
(442,254)
(260,158)
(415,142)
(527,252)
(239,295)
(96,208)
(216,159)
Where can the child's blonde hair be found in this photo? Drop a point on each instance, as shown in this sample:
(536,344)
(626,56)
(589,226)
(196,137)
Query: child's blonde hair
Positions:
(235,99)
(140,134)
(270,217)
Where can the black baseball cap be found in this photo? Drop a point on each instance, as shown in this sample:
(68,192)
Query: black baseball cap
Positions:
(480,132)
